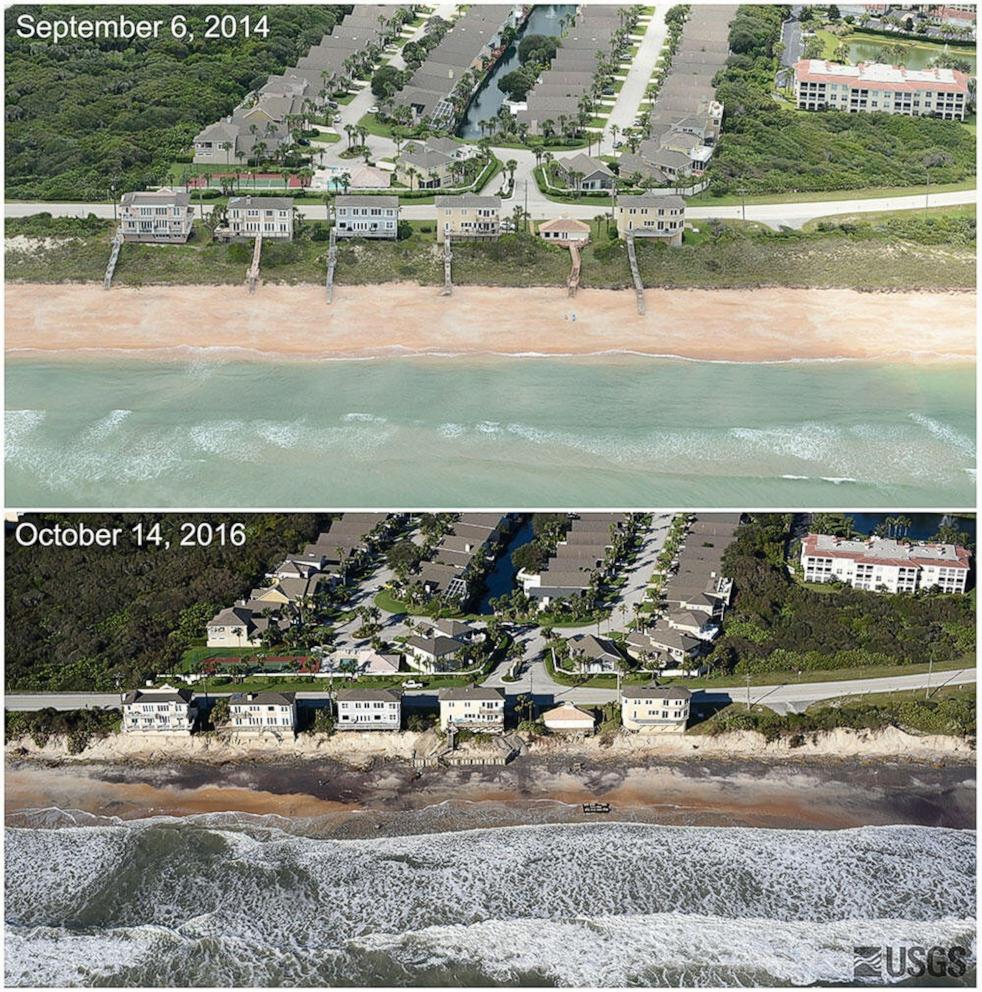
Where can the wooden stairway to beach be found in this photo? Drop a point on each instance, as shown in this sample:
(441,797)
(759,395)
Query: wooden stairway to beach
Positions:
(332,261)
(447,267)
(635,272)
(252,276)
(107,280)
(573,283)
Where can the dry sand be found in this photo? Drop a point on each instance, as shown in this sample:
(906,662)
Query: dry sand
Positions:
(296,322)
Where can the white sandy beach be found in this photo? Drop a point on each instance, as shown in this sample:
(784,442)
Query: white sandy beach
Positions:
(284,322)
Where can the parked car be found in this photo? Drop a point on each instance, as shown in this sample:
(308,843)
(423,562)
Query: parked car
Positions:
(618,144)
(412,684)
(373,110)
(337,118)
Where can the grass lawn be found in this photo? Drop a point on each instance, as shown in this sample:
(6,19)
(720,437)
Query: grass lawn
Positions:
(832,675)
(965,210)
(872,193)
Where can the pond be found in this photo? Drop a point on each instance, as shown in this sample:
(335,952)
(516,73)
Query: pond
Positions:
(923,525)
(917,56)
(544,19)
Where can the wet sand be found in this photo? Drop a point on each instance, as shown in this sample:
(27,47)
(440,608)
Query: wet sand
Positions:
(389,797)
(295,322)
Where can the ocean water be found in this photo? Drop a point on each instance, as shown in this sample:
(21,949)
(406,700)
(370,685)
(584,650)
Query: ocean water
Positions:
(617,431)
(216,900)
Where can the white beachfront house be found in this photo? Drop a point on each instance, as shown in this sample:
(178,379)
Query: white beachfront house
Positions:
(369,709)
(655,709)
(472,708)
(262,712)
(159,711)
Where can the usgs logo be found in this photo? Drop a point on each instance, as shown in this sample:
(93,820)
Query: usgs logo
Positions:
(885,964)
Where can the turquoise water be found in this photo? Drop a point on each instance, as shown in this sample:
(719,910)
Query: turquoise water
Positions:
(416,432)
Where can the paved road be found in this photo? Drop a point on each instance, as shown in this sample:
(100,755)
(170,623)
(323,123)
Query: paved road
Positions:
(773,214)
(625,109)
(779,698)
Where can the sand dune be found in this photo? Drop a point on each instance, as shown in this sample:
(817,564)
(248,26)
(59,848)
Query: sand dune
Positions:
(296,322)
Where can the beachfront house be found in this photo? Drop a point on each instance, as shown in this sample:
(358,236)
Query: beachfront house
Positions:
(473,708)
(651,216)
(263,712)
(655,709)
(565,230)
(467,216)
(366,216)
(568,719)
(251,216)
(162,216)
(159,711)
(369,709)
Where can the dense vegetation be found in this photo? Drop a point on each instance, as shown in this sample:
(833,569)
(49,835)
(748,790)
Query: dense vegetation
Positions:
(777,624)
(767,148)
(895,253)
(79,618)
(952,713)
(81,115)
(78,727)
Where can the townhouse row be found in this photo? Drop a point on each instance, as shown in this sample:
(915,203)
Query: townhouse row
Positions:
(263,124)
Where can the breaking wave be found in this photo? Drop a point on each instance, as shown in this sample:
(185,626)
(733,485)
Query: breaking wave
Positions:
(182,902)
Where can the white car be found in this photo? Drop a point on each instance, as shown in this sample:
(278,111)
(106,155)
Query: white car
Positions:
(337,118)
(412,684)
(373,110)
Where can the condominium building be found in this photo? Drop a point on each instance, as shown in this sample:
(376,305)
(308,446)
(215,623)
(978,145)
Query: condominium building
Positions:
(160,216)
(366,216)
(259,712)
(887,89)
(472,708)
(250,216)
(885,565)
(159,711)
(467,216)
(655,709)
(369,709)
(651,216)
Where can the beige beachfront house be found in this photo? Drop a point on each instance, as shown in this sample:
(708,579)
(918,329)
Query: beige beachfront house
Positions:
(366,216)
(565,231)
(262,712)
(467,216)
(250,216)
(159,711)
(369,709)
(473,708)
(654,709)
(162,216)
(568,719)
(651,216)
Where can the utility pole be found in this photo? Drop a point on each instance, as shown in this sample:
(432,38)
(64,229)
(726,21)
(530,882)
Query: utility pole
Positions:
(927,688)
(743,201)
(526,206)
(927,189)
(748,692)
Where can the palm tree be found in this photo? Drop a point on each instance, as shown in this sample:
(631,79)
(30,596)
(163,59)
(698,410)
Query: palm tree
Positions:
(510,166)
